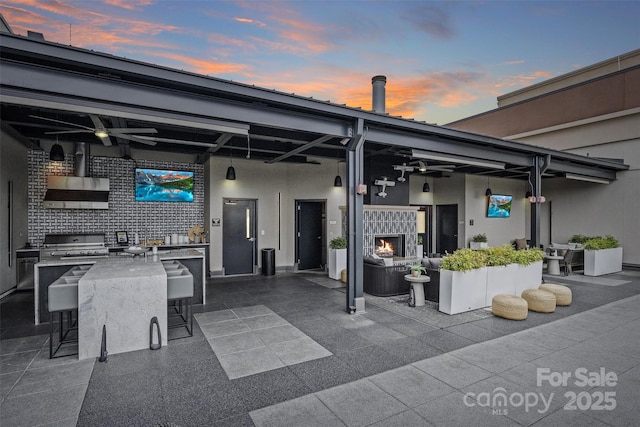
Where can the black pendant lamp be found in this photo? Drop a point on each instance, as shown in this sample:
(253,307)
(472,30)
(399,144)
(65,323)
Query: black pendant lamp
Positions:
(231,172)
(57,153)
(337,182)
(488,191)
(425,186)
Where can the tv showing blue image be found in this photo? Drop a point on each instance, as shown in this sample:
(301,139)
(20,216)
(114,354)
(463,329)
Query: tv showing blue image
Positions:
(499,206)
(155,185)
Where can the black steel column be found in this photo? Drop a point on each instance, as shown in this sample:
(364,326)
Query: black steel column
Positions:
(355,174)
(540,164)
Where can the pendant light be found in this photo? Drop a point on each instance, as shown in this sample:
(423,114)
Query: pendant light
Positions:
(57,153)
(488,191)
(231,172)
(425,186)
(337,182)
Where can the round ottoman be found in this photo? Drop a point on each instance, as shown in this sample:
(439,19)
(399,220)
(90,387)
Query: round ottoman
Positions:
(539,300)
(562,293)
(510,307)
(343,276)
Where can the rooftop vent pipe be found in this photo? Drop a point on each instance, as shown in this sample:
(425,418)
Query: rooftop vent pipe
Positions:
(378,83)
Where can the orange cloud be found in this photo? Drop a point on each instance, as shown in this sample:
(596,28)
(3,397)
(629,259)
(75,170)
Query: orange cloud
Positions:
(522,80)
(202,66)
(128,4)
(250,21)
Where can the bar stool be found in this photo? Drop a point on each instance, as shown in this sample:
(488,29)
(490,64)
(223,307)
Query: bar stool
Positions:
(179,290)
(63,299)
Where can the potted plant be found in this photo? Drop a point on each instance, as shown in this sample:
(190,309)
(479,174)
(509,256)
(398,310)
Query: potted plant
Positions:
(602,255)
(478,241)
(501,271)
(337,260)
(463,281)
(528,269)
(417,269)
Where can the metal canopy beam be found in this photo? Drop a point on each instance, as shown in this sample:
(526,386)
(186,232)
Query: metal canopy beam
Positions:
(74,87)
(302,148)
(355,222)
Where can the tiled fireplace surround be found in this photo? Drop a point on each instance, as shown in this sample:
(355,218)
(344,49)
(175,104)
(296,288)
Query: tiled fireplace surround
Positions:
(382,220)
(149,219)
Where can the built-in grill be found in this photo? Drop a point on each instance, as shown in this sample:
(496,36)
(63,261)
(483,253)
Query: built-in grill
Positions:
(80,245)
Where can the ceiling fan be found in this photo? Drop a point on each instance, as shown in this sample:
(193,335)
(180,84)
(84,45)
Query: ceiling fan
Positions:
(103,132)
(423,167)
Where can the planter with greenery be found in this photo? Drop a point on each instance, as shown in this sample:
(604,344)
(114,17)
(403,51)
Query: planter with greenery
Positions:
(501,271)
(417,269)
(463,281)
(528,269)
(602,255)
(337,259)
(478,241)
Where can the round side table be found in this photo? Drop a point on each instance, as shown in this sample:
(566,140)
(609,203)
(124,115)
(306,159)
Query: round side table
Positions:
(417,283)
(553,264)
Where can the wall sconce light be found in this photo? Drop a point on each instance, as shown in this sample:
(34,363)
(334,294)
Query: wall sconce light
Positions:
(539,199)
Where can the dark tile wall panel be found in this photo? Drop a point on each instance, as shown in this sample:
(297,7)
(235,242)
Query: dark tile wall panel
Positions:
(152,220)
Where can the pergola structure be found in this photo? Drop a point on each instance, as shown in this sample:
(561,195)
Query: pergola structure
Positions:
(47,87)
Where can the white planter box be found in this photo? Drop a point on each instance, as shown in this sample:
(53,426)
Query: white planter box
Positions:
(478,245)
(501,280)
(336,262)
(603,261)
(462,291)
(419,251)
(528,277)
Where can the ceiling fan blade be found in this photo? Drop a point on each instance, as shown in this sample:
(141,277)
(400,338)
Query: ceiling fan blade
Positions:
(97,122)
(178,141)
(62,122)
(134,138)
(60,132)
(132,130)
(106,141)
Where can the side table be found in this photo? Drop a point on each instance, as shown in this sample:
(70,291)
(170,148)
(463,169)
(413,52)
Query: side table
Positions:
(553,264)
(417,284)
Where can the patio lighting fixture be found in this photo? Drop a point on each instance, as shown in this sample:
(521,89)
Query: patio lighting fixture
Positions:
(337,182)
(488,190)
(586,178)
(231,172)
(57,153)
(425,186)
(100,133)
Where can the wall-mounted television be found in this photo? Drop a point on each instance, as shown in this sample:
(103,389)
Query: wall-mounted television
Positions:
(156,185)
(499,206)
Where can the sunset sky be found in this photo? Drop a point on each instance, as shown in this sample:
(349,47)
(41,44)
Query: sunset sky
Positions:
(443,60)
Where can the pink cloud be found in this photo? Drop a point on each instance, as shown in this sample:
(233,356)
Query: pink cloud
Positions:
(201,66)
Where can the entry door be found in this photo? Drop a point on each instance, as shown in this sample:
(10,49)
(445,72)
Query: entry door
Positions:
(447,228)
(310,242)
(239,236)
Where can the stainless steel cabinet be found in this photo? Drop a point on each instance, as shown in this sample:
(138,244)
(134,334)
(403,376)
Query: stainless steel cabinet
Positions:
(24,270)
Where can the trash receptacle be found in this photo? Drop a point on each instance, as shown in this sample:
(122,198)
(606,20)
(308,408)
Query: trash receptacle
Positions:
(268,261)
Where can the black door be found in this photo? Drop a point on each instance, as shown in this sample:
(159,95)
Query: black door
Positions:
(310,242)
(239,236)
(447,228)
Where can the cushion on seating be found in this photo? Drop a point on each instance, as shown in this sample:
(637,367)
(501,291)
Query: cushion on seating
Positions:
(180,286)
(521,244)
(375,261)
(539,300)
(562,293)
(433,263)
(62,296)
(510,307)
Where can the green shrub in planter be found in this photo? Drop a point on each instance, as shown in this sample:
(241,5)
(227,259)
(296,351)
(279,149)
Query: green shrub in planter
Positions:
(528,256)
(499,255)
(597,243)
(579,238)
(479,238)
(464,260)
(338,243)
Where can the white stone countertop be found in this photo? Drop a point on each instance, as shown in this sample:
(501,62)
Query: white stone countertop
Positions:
(116,258)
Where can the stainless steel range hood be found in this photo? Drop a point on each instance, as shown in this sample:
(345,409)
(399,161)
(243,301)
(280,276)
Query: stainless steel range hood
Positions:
(79,191)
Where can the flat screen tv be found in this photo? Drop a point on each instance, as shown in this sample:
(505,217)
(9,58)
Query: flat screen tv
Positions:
(499,206)
(155,185)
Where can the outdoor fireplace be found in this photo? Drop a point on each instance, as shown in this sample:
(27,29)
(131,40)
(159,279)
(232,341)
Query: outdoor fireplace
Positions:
(390,246)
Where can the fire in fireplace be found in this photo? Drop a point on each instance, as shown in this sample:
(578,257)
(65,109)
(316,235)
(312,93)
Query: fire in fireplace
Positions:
(388,246)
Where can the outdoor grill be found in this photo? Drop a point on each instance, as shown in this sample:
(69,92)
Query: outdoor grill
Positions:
(79,245)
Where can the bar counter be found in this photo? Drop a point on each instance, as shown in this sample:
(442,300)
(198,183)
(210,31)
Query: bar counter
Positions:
(48,270)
